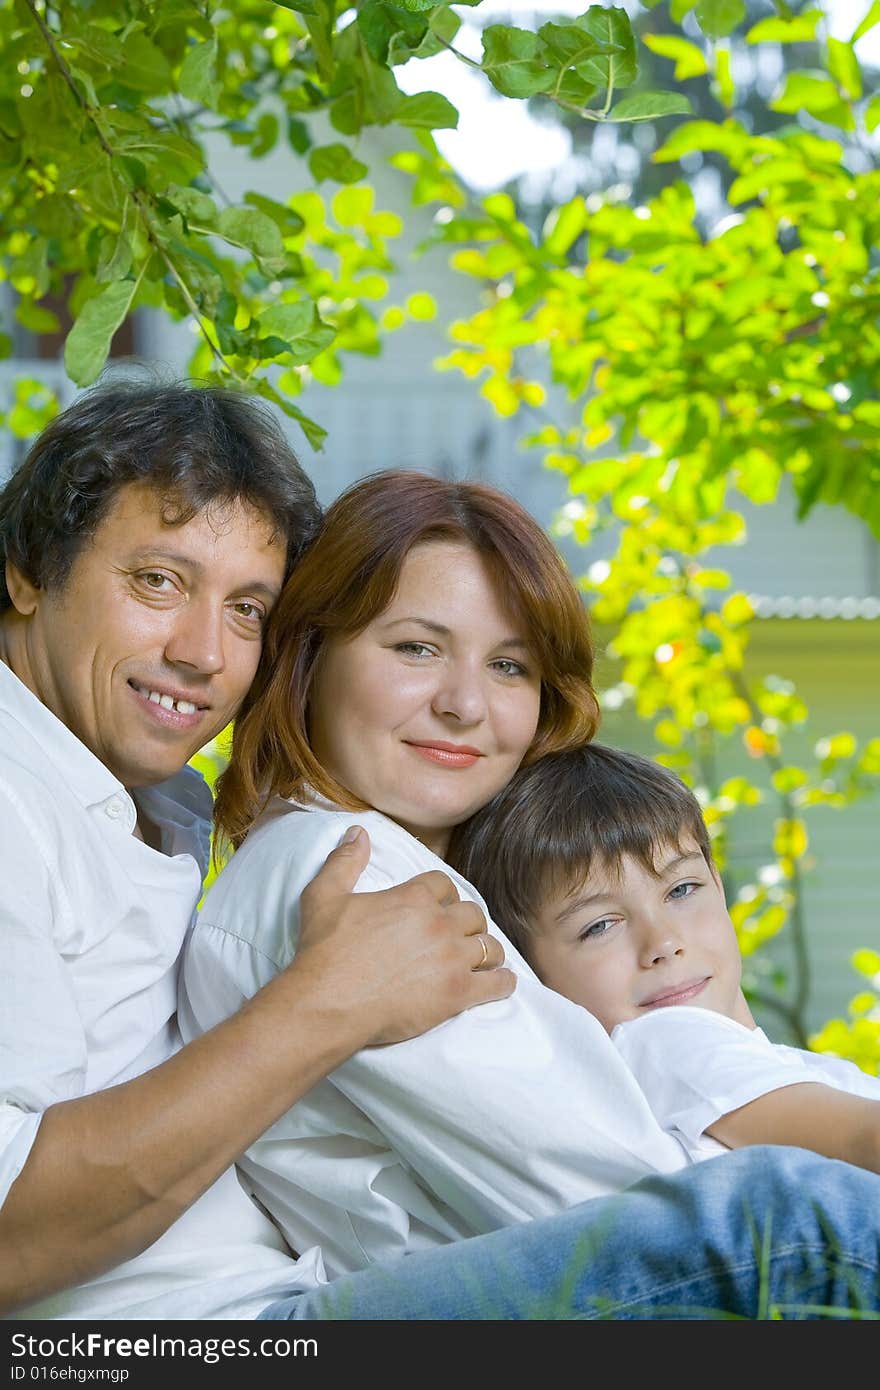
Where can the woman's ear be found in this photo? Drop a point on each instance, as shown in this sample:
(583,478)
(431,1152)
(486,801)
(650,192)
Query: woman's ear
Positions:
(24,594)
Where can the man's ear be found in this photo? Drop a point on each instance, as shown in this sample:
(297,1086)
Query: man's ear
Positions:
(25,595)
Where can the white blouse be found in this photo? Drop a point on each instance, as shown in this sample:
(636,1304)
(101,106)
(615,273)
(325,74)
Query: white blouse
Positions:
(511,1110)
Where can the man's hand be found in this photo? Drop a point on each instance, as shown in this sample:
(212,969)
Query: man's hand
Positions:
(398,961)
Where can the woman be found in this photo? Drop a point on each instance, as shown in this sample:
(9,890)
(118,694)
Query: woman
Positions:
(429,641)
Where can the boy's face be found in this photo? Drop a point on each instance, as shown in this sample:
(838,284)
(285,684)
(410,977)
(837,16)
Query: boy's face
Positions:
(623,943)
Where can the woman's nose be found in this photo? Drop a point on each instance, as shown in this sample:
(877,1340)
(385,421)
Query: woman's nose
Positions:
(460,696)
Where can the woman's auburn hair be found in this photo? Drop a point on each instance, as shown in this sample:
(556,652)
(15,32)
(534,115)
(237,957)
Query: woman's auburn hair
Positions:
(348,576)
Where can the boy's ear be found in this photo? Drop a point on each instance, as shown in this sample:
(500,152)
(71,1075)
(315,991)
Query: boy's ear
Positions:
(25,595)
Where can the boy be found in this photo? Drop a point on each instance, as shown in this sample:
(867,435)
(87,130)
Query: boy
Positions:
(597,864)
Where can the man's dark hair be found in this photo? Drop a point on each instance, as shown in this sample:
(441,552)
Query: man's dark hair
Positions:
(560,816)
(199,447)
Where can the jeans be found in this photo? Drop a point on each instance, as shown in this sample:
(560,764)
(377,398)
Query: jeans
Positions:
(762,1232)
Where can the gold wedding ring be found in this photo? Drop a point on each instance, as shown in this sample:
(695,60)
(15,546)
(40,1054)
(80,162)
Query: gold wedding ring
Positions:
(482,940)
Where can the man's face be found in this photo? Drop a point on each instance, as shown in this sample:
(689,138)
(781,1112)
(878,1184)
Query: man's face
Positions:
(149,647)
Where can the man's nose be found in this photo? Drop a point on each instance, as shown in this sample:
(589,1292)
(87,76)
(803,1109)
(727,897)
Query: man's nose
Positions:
(197,638)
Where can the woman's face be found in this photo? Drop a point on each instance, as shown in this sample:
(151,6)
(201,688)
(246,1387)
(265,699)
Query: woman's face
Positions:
(429,711)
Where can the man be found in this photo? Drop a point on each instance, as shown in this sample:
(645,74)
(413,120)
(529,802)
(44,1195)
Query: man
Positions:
(146,538)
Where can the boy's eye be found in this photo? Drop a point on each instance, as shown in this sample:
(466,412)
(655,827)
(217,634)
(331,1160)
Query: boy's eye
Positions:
(597,929)
(683,890)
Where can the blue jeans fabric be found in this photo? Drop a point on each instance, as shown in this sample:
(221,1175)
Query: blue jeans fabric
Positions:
(762,1232)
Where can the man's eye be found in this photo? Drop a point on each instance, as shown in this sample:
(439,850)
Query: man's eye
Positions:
(250,612)
(154,579)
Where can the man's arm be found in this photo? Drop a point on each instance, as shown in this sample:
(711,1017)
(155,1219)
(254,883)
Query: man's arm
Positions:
(110,1172)
(807,1115)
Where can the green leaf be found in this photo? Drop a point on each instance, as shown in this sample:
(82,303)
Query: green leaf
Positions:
(257,233)
(298,135)
(288,222)
(805,91)
(35,318)
(724,77)
(426,110)
(569,44)
(88,341)
(115,260)
(513,62)
(872,114)
(314,433)
(336,162)
(648,106)
(198,80)
(196,206)
(871,19)
(146,67)
(288,321)
(565,225)
(799,28)
(613,30)
(690,61)
(844,68)
(717,18)
(380,22)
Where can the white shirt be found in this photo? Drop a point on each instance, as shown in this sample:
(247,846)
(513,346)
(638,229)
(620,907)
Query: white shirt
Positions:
(92,922)
(695,1065)
(511,1110)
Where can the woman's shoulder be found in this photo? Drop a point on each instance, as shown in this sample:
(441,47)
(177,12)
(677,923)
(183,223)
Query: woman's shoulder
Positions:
(288,845)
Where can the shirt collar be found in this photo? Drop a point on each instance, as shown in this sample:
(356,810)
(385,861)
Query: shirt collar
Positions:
(89,780)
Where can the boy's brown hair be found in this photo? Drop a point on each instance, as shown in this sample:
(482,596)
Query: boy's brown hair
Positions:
(558,817)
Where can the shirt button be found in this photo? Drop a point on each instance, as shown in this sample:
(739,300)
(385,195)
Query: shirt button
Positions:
(115,809)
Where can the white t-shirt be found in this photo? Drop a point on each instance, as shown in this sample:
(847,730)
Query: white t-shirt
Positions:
(92,922)
(695,1065)
(511,1110)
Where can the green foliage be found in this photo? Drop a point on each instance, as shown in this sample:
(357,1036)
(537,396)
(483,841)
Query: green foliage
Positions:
(108,201)
(698,369)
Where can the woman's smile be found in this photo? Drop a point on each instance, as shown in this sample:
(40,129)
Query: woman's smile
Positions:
(445,754)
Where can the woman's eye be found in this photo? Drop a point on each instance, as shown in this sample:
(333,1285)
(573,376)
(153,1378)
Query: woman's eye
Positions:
(418,649)
(509,668)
